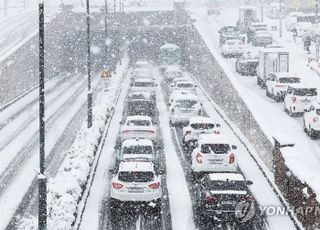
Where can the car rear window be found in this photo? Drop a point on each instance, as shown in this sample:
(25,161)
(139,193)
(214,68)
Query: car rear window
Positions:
(185,103)
(143,84)
(227,185)
(139,123)
(137,149)
(136,176)
(216,148)
(140,104)
(185,85)
(289,80)
(305,92)
(202,126)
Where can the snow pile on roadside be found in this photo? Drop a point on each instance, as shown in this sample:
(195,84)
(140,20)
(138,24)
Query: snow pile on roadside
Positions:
(65,190)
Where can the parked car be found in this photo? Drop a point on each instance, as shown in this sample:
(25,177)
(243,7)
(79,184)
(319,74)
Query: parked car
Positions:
(299,98)
(184,106)
(213,153)
(311,121)
(135,182)
(262,38)
(197,126)
(144,107)
(138,127)
(246,64)
(229,33)
(144,85)
(278,83)
(232,48)
(218,195)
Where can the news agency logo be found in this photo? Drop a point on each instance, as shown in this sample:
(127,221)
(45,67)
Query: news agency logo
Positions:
(245,211)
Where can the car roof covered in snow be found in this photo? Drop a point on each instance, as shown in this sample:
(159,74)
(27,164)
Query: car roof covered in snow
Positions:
(226,177)
(213,139)
(139,117)
(273,49)
(286,74)
(136,166)
(144,94)
(143,79)
(200,119)
(187,96)
(142,62)
(137,141)
(302,86)
(173,68)
(233,40)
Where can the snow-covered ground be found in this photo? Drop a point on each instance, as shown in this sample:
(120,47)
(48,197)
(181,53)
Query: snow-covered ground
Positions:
(269,114)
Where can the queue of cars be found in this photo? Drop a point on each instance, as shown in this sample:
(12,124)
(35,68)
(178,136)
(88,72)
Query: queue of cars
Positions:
(218,183)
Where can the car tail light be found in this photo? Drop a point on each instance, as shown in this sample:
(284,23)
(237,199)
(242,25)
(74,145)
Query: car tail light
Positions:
(210,199)
(117,185)
(154,185)
(315,119)
(188,132)
(231,158)
(245,198)
(294,99)
(199,158)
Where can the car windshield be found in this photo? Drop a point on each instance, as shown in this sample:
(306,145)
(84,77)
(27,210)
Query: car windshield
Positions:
(136,176)
(305,92)
(185,103)
(215,148)
(138,123)
(289,80)
(138,149)
(227,185)
(143,84)
(202,126)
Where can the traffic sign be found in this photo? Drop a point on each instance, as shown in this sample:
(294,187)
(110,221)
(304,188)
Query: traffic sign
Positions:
(106,74)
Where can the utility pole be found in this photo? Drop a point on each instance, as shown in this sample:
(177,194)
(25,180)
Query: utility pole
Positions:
(317,33)
(89,67)
(280,18)
(42,180)
(106,26)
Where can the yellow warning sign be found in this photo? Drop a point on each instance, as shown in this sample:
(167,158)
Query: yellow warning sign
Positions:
(105,73)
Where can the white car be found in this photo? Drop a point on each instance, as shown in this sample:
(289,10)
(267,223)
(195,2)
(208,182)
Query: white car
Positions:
(299,98)
(144,85)
(179,93)
(278,83)
(311,121)
(197,126)
(142,64)
(172,72)
(213,153)
(232,48)
(137,149)
(136,181)
(141,72)
(183,107)
(138,127)
(184,85)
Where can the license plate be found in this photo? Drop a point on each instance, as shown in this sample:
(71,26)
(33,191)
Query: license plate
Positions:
(136,190)
(215,161)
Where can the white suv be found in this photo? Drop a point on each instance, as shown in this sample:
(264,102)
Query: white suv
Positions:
(136,181)
(311,121)
(213,153)
(144,85)
(184,106)
(138,127)
(278,83)
(197,126)
(299,98)
(137,149)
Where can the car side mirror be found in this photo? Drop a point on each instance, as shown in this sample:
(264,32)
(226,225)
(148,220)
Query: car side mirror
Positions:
(234,147)
(160,172)
(249,182)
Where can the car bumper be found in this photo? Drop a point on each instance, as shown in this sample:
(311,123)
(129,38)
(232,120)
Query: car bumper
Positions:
(136,197)
(213,168)
(152,137)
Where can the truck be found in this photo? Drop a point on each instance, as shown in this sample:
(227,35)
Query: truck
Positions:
(247,16)
(271,60)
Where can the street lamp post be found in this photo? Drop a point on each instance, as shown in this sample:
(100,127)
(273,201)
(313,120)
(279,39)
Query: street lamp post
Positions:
(42,180)
(106,26)
(89,68)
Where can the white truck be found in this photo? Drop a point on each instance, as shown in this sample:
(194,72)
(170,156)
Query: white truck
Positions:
(271,60)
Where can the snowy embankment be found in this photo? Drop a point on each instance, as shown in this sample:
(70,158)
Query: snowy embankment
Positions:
(180,200)
(269,115)
(65,190)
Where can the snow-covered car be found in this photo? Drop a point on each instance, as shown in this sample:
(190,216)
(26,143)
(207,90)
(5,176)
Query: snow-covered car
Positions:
(262,38)
(246,64)
(137,148)
(144,85)
(183,107)
(278,83)
(146,107)
(141,95)
(197,126)
(172,72)
(213,153)
(229,33)
(141,73)
(311,121)
(138,127)
(136,182)
(184,85)
(232,48)
(142,64)
(218,195)
(180,93)
(299,98)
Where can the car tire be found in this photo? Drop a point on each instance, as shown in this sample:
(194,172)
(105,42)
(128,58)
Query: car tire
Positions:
(304,126)
(267,92)
(290,112)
